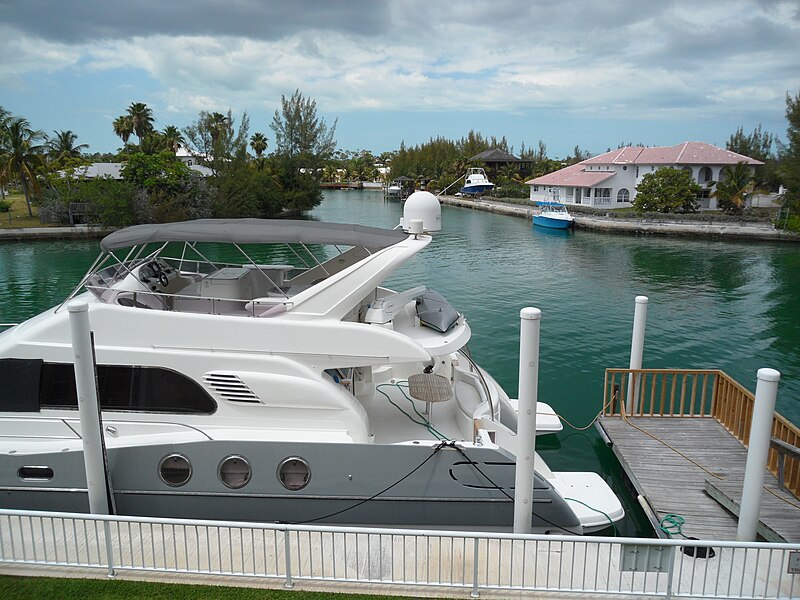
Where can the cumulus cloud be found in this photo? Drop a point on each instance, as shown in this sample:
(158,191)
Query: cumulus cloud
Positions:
(82,21)
(674,56)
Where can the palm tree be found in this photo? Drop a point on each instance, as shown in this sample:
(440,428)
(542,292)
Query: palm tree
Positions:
(329,172)
(21,154)
(258,142)
(123,127)
(142,119)
(172,137)
(218,124)
(63,145)
(509,174)
(5,116)
(153,143)
(735,185)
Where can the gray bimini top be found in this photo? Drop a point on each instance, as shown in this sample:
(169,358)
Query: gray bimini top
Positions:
(253,231)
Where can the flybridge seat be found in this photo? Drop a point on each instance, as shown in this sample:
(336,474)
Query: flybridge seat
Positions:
(268,279)
(144,300)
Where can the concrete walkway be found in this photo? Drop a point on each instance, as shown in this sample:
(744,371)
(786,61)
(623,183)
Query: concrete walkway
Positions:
(749,231)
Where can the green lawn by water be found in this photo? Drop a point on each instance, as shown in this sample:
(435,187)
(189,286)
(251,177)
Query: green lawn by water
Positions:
(48,588)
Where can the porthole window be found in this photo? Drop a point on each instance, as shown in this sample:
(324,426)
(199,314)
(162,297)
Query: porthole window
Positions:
(35,473)
(175,470)
(235,472)
(294,473)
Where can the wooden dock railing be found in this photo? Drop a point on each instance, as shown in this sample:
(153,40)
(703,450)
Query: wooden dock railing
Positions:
(700,393)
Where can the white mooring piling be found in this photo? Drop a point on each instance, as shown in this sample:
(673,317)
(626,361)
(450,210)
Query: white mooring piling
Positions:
(530,323)
(637,349)
(757,451)
(86,386)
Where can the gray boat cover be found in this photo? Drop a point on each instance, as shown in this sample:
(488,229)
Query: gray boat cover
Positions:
(436,312)
(253,231)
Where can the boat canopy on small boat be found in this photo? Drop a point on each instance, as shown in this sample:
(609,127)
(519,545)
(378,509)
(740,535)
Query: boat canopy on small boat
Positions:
(553,214)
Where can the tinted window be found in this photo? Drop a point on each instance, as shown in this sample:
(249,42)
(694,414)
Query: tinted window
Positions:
(141,389)
(19,384)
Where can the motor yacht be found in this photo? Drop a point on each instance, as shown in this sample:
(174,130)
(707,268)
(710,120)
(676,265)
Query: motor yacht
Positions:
(259,370)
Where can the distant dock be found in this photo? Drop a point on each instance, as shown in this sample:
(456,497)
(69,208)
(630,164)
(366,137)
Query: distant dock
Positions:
(704,229)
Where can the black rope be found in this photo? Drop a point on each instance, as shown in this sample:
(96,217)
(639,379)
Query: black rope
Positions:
(441,445)
(490,480)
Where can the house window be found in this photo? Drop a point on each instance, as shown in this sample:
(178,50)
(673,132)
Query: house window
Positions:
(705,175)
(602,195)
(536,188)
(570,192)
(637,172)
(623,195)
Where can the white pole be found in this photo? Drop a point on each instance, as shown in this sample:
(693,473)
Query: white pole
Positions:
(88,408)
(637,349)
(757,451)
(530,323)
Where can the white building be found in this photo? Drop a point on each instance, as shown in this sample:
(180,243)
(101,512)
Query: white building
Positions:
(609,180)
(114,170)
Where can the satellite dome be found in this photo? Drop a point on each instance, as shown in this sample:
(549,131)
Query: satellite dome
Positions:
(425,207)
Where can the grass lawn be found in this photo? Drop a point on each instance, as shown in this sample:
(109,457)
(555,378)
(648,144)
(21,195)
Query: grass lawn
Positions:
(17,216)
(48,588)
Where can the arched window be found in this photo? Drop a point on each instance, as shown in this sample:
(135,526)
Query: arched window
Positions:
(705,175)
(623,195)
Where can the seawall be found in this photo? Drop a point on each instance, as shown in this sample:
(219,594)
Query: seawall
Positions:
(53,233)
(705,229)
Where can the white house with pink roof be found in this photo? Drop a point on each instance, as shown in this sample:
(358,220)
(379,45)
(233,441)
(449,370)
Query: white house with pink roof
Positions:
(609,180)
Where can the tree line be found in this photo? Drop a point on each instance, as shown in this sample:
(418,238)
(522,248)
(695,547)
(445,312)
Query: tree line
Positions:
(247,181)
(156,186)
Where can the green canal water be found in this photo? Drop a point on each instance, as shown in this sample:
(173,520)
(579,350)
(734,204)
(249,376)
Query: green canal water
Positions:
(713,304)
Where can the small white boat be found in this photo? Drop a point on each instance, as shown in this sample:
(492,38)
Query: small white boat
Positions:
(553,214)
(476,182)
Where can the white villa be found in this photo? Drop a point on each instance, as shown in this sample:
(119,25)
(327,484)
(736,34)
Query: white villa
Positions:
(609,180)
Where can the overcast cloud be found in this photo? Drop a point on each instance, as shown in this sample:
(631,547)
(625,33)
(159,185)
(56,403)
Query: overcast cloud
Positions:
(677,60)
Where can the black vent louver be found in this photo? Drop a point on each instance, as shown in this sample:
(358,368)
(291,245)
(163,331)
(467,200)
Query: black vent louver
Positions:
(230,387)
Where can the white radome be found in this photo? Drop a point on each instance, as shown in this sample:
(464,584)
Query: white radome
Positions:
(425,207)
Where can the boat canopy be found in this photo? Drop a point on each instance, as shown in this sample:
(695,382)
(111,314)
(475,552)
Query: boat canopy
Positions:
(549,203)
(253,231)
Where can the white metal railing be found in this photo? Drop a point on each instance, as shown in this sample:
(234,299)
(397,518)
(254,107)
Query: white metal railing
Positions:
(475,561)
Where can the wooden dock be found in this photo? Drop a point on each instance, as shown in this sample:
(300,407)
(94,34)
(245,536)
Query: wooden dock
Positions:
(684,450)
(671,484)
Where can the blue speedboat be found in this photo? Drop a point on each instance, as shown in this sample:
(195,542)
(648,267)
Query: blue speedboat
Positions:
(553,215)
(476,182)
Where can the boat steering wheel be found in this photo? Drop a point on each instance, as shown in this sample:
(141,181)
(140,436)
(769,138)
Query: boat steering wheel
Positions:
(159,273)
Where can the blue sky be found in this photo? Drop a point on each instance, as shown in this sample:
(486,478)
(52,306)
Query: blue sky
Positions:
(574,72)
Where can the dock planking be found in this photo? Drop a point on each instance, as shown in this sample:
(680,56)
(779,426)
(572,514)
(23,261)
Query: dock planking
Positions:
(674,485)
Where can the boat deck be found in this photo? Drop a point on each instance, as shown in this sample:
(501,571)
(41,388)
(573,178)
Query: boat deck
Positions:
(703,493)
(390,425)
